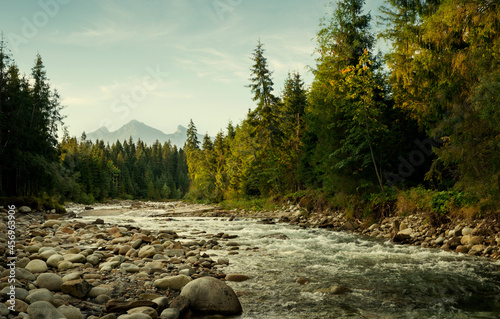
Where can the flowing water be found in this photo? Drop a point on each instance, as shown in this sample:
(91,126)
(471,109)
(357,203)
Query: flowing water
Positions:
(385,280)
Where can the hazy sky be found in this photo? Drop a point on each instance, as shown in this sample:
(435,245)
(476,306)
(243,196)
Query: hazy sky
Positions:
(160,62)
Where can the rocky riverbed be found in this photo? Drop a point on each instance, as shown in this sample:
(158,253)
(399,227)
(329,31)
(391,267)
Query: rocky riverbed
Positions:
(66,268)
(69,267)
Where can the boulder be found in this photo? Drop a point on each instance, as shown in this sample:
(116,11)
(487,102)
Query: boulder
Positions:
(209,295)
(50,281)
(173,282)
(44,310)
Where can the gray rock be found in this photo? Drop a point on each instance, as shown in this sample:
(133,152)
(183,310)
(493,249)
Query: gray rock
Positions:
(52,222)
(75,258)
(108,266)
(65,265)
(467,231)
(4,310)
(50,281)
(41,294)
(44,310)
(54,260)
(170,313)
(147,251)
(70,312)
(93,259)
(72,276)
(99,290)
(77,288)
(162,303)
(36,266)
(439,240)
(174,252)
(173,282)
(20,293)
(130,268)
(24,209)
(144,310)
(212,296)
(135,316)
(102,299)
(47,253)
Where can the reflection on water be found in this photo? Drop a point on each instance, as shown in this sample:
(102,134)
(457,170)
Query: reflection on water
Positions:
(384,280)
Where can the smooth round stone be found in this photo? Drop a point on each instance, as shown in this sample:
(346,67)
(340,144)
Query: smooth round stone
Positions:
(170,313)
(102,299)
(20,293)
(41,294)
(144,310)
(124,249)
(65,265)
(93,259)
(37,266)
(47,253)
(99,290)
(70,312)
(173,282)
(44,310)
(72,276)
(50,281)
(53,261)
(154,265)
(32,249)
(130,268)
(75,258)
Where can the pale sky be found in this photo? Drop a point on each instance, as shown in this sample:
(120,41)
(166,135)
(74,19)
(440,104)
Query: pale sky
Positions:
(160,62)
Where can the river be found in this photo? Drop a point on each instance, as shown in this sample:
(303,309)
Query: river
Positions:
(384,280)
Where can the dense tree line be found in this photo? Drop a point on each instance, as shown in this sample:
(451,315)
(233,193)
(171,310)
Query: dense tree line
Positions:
(29,120)
(34,163)
(427,113)
(95,171)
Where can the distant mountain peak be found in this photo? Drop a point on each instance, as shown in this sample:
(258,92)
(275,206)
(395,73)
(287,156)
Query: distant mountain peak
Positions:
(139,130)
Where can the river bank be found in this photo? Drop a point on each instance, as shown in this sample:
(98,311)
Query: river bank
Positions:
(57,266)
(78,265)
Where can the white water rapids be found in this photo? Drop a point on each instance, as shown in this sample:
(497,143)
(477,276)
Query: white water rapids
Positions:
(385,280)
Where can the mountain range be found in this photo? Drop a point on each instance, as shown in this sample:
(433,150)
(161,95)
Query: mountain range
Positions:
(138,130)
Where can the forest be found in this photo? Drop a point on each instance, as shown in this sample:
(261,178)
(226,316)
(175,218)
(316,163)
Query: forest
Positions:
(415,129)
(33,163)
